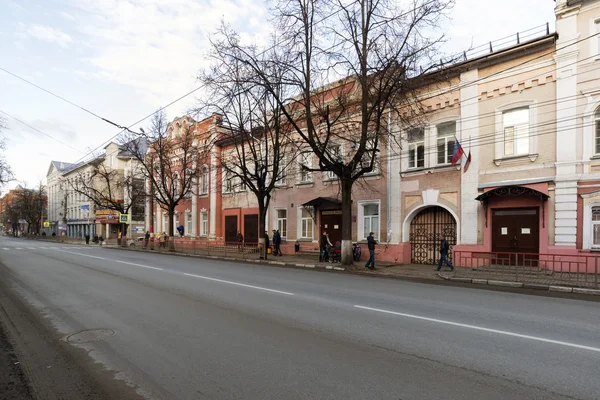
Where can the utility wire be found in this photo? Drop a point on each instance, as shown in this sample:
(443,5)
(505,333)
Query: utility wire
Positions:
(38,131)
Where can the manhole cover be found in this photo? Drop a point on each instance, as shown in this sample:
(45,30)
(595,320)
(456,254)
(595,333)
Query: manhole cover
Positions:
(91,335)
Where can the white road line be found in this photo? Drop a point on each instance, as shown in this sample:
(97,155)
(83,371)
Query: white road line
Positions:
(480,328)
(83,255)
(239,284)
(18,248)
(31,248)
(5,248)
(139,265)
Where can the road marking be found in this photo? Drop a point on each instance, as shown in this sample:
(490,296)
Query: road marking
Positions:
(239,284)
(83,255)
(139,265)
(5,248)
(480,328)
(31,248)
(18,248)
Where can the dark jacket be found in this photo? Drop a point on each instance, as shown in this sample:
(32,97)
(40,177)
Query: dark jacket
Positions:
(371,242)
(147,236)
(240,237)
(444,247)
(324,241)
(277,238)
(267,243)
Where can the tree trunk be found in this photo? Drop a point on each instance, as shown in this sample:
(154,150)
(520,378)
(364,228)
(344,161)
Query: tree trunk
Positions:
(262,228)
(171,229)
(347,258)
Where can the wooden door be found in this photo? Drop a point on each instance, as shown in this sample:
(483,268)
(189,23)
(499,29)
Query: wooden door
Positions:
(516,230)
(251,228)
(331,222)
(231,228)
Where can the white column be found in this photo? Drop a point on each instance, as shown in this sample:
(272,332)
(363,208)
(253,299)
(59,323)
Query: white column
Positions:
(469,112)
(566,134)
(212,215)
(194,231)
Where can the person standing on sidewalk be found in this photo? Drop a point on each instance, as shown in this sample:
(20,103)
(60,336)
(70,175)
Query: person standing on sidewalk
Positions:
(146,238)
(371,242)
(240,240)
(277,242)
(323,247)
(87,238)
(444,248)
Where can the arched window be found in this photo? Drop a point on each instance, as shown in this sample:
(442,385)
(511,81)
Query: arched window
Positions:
(597,132)
(204,180)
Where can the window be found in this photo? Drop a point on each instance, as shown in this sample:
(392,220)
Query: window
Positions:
(445,142)
(188,226)
(176,187)
(227,182)
(597,23)
(335,153)
(306,224)
(597,133)
(204,223)
(282,181)
(596,227)
(204,180)
(165,226)
(416,148)
(371,153)
(306,161)
(370,219)
(282,222)
(516,132)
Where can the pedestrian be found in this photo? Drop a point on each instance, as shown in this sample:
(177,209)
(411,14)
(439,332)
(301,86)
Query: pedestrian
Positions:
(267,242)
(161,239)
(371,242)
(240,239)
(100,240)
(323,247)
(277,242)
(180,229)
(444,249)
(87,238)
(146,238)
(95,240)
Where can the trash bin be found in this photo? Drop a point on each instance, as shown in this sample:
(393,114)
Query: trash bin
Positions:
(269,250)
(296,247)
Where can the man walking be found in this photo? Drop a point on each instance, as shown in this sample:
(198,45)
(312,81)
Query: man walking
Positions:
(240,239)
(444,248)
(87,238)
(146,238)
(323,247)
(277,242)
(371,242)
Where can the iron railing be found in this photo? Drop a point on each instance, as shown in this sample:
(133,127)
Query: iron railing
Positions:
(552,269)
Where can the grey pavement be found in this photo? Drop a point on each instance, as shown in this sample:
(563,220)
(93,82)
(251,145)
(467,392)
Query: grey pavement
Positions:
(189,328)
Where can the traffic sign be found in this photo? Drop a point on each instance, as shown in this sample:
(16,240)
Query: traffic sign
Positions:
(124,218)
(46,224)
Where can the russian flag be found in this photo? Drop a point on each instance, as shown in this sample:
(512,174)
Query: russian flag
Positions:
(458,153)
(468,162)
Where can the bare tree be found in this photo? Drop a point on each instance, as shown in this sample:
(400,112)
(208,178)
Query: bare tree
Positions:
(258,145)
(6,174)
(351,66)
(168,160)
(28,204)
(113,189)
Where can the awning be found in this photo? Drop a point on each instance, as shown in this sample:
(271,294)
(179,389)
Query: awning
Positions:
(321,202)
(511,191)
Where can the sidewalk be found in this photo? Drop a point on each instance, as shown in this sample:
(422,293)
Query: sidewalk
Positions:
(511,278)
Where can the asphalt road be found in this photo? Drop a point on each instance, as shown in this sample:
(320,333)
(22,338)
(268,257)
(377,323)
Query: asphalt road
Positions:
(188,328)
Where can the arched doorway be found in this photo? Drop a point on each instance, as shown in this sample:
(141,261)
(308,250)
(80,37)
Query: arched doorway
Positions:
(427,229)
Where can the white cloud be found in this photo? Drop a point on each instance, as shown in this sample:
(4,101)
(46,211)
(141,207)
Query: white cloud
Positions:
(157,48)
(47,34)
(67,16)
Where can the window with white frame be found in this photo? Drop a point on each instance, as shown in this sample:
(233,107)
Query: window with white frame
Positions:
(416,148)
(204,180)
(165,222)
(371,154)
(597,132)
(305,161)
(282,181)
(516,132)
(204,223)
(282,222)
(597,25)
(306,224)
(446,137)
(188,225)
(335,153)
(596,227)
(227,182)
(176,187)
(370,219)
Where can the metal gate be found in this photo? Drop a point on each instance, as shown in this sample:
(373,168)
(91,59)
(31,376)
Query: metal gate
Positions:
(427,230)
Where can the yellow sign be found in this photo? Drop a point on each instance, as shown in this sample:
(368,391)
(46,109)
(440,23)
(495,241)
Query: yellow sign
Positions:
(46,224)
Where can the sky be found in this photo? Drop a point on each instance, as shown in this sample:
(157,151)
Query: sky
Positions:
(124,59)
